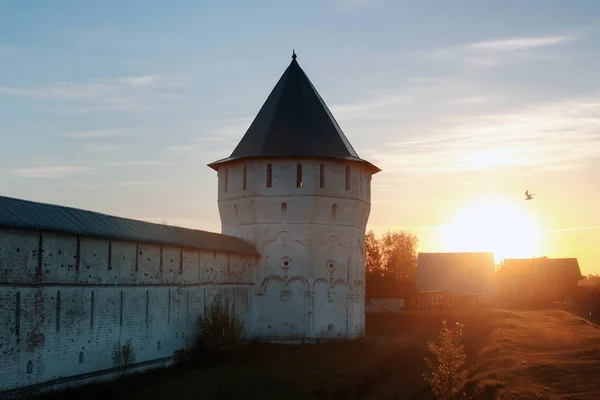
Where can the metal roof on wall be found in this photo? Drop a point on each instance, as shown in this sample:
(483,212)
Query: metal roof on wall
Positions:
(30,215)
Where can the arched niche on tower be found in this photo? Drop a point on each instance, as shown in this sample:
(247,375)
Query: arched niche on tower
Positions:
(284,256)
(357,262)
(331,260)
(281,309)
(330,310)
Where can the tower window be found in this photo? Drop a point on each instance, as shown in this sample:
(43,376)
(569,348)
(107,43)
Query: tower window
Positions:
(244,172)
(283,210)
(299,175)
(269,175)
(347,178)
(226,181)
(322,176)
(333,212)
(236,211)
(360,182)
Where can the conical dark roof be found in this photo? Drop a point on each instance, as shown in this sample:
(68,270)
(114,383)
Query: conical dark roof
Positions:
(294,122)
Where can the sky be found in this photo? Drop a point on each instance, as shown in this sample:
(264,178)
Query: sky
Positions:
(117,107)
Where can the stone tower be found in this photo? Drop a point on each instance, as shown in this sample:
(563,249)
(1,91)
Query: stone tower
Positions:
(296,188)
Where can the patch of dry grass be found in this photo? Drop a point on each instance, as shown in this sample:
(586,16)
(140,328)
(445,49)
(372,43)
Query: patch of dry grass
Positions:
(538,355)
(510,355)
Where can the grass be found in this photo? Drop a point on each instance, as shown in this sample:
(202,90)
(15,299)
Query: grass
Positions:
(510,355)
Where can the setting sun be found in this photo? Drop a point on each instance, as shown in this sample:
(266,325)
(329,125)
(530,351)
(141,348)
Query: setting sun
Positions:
(498,226)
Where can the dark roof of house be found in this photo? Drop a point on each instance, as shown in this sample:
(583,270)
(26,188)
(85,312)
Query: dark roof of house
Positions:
(294,122)
(557,267)
(30,215)
(456,273)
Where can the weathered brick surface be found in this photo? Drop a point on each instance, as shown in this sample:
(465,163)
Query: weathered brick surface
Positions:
(155,306)
(310,276)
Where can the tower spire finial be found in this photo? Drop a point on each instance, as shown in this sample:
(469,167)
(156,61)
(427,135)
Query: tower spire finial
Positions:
(294,54)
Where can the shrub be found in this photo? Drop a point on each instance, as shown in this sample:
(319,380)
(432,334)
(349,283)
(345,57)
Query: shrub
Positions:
(447,372)
(219,328)
(123,356)
(182,355)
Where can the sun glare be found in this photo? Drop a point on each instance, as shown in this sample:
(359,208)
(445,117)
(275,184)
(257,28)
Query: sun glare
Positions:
(501,227)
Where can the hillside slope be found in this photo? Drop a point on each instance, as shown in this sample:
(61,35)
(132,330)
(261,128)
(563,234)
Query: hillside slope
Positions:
(535,355)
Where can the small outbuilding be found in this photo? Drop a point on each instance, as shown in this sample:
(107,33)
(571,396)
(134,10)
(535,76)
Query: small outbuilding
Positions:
(450,280)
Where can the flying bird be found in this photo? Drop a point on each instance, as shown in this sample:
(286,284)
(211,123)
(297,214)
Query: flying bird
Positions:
(529,196)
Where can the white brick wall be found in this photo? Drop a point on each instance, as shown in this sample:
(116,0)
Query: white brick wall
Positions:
(158,305)
(320,292)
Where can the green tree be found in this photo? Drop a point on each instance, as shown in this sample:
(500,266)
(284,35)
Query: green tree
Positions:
(391,264)
(373,253)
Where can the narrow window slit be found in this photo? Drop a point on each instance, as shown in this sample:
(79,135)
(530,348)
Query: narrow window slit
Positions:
(78,254)
(269,175)
(92,306)
(18,316)
(169,308)
(160,265)
(58,299)
(147,306)
(180,260)
(244,177)
(322,176)
(298,175)
(347,178)
(110,255)
(121,309)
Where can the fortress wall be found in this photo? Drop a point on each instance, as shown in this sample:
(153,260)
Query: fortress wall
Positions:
(66,300)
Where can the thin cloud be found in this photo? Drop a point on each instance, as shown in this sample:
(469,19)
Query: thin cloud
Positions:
(369,108)
(581,228)
(50,172)
(522,43)
(493,53)
(221,138)
(102,148)
(136,163)
(124,94)
(89,186)
(137,183)
(355,3)
(181,148)
(140,81)
(101,133)
(227,131)
(551,136)
(463,101)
